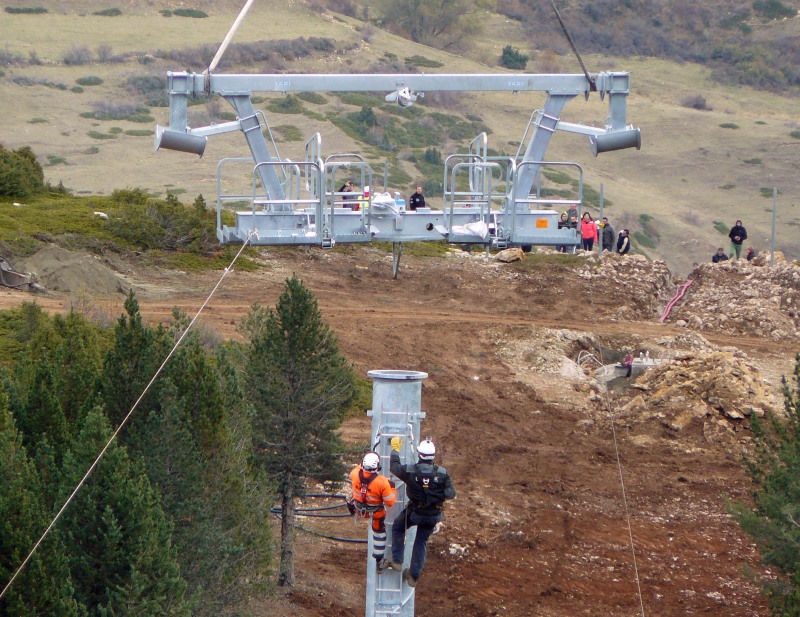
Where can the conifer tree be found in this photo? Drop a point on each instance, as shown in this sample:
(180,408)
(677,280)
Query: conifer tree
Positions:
(44,586)
(774,522)
(301,386)
(117,536)
(130,364)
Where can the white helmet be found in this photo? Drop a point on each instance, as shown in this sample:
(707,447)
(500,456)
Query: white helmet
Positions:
(371,463)
(426,450)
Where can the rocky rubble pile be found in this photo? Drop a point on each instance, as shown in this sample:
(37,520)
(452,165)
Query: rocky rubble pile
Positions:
(646,286)
(741,297)
(717,390)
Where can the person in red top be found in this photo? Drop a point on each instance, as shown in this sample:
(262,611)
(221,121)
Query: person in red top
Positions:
(372,493)
(588,231)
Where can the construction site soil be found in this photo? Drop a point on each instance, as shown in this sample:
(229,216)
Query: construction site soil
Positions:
(572,499)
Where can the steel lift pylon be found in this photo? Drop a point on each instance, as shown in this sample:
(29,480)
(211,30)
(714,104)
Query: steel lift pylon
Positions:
(396,412)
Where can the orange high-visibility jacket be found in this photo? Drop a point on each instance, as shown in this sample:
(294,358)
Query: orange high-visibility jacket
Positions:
(373,490)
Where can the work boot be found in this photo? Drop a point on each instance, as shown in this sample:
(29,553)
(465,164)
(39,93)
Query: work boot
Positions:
(381,565)
(410,580)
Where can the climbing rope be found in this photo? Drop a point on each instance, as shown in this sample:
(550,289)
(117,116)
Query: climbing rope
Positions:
(124,420)
(612,411)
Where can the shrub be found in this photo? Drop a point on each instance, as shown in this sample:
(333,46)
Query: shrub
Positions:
(90,80)
(755,161)
(729,125)
(166,12)
(115,12)
(21,175)
(766,191)
(289,104)
(99,135)
(722,227)
(695,101)
(52,159)
(795,134)
(195,13)
(513,59)
(308,97)
(105,53)
(432,156)
(76,89)
(37,120)
(139,132)
(157,224)
(77,55)
(26,10)
(422,61)
(773,9)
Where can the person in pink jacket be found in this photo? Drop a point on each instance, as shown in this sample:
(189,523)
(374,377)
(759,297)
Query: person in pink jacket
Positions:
(588,231)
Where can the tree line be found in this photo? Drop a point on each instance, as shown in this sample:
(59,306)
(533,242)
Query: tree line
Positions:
(174,518)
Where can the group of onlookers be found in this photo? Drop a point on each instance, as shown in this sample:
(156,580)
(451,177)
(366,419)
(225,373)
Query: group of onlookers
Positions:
(737,234)
(592,231)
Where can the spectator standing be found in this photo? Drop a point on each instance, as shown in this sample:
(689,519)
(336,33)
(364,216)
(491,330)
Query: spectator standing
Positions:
(623,242)
(750,254)
(588,231)
(608,235)
(563,223)
(737,234)
(417,199)
(719,256)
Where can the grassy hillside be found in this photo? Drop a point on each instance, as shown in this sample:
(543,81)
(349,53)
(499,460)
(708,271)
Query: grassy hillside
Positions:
(696,173)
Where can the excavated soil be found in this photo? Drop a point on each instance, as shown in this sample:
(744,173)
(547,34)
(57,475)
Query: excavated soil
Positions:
(571,500)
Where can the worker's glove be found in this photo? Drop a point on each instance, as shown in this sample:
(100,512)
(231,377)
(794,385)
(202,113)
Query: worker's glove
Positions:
(350,505)
(397,443)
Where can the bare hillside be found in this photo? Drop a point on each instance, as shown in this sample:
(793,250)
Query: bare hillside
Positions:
(535,445)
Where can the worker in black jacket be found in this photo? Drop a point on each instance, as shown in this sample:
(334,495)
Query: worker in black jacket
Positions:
(417,199)
(427,488)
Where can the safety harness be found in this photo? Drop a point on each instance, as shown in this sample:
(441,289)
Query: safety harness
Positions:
(363,508)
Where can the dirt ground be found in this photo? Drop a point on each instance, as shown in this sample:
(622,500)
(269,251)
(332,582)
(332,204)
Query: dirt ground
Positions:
(567,503)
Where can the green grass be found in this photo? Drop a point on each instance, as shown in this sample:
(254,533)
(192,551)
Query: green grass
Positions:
(795,134)
(729,125)
(37,120)
(755,161)
(52,159)
(139,132)
(722,227)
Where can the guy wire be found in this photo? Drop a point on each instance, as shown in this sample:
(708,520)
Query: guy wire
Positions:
(589,78)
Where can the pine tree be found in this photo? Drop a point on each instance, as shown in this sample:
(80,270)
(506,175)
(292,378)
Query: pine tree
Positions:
(118,538)
(301,386)
(130,364)
(774,522)
(44,586)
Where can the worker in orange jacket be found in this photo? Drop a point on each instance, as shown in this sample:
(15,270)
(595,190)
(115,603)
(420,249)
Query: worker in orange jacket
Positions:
(372,493)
